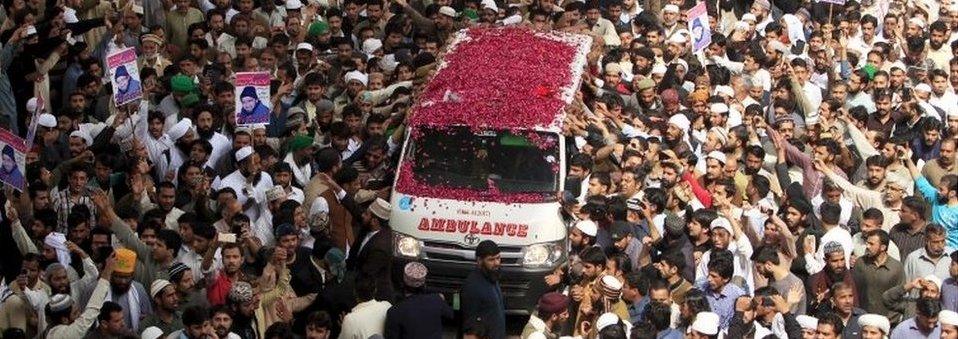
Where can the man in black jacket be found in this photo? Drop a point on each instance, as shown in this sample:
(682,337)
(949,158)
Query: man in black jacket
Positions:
(420,314)
(371,254)
(481,295)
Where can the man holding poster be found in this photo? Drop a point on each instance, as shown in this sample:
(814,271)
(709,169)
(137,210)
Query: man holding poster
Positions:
(252,96)
(126,77)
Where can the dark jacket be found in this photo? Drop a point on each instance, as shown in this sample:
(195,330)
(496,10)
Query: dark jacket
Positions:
(374,261)
(418,316)
(482,301)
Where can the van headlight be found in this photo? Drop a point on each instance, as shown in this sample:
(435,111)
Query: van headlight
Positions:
(543,255)
(408,247)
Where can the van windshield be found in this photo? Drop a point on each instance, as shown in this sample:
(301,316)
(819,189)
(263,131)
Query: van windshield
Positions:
(458,157)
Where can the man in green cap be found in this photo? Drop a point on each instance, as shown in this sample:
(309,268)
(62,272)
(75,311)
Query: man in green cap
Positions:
(299,157)
(182,95)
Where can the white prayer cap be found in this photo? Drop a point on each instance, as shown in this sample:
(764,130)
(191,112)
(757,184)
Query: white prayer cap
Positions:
(371,45)
(304,45)
(489,4)
(243,153)
(875,320)
(87,139)
(70,15)
(358,76)
(47,120)
(257,126)
(917,22)
(31,30)
(727,90)
(807,322)
(749,17)
(721,133)
(157,286)
(670,8)
(677,39)
(60,302)
(512,20)
(947,317)
(717,155)
(275,193)
(680,121)
(923,87)
(606,320)
(137,9)
(659,69)
(588,227)
(776,45)
(380,208)
(721,222)
(953,112)
(180,129)
(31,105)
(151,332)
(706,323)
(741,25)
(933,279)
(718,107)
(448,11)
(294,4)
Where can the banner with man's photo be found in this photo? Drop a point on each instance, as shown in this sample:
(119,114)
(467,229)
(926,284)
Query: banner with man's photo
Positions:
(13,150)
(253,104)
(125,76)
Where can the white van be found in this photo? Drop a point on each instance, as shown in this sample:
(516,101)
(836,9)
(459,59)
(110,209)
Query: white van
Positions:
(459,183)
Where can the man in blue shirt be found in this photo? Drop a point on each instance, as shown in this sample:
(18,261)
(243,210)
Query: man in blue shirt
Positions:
(481,295)
(923,325)
(943,200)
(719,292)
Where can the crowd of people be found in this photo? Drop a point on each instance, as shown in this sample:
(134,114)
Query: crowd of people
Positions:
(794,178)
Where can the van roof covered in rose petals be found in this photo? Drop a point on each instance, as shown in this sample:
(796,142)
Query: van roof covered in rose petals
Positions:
(505,78)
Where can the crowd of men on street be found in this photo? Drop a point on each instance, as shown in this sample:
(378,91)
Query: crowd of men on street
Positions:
(795,177)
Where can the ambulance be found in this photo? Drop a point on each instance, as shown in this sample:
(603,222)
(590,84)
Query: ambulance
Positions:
(484,159)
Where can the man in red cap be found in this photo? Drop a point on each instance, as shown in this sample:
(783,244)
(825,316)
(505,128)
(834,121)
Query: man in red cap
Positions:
(552,311)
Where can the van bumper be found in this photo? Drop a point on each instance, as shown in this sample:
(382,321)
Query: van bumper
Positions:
(521,287)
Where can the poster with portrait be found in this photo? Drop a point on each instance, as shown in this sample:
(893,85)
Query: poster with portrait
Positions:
(699,25)
(13,150)
(252,98)
(124,75)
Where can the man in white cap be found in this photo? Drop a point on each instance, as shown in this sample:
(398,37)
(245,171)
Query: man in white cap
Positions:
(874,326)
(949,324)
(924,324)
(443,25)
(356,82)
(166,301)
(725,237)
(705,326)
(56,146)
(809,326)
(180,137)
(761,9)
(371,254)
(670,19)
(248,181)
(678,132)
(64,321)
